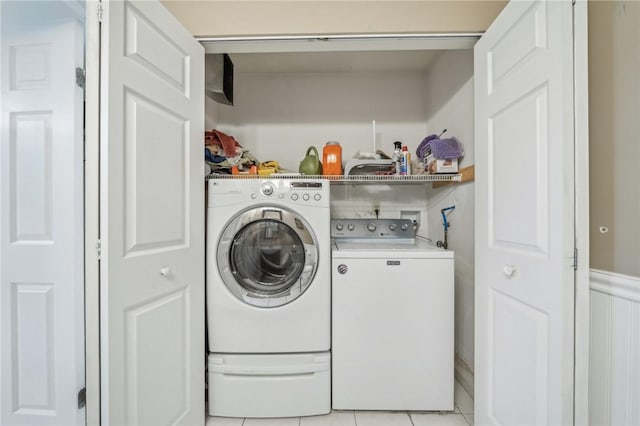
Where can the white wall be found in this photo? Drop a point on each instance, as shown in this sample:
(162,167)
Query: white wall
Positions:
(277,116)
(614,371)
(210,113)
(450,105)
(360,201)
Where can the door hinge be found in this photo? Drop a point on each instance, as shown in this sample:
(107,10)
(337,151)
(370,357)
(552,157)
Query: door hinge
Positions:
(100,12)
(575,258)
(80,78)
(99,249)
(82,398)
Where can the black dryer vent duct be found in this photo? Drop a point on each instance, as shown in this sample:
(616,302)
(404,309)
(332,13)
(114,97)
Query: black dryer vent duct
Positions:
(218,80)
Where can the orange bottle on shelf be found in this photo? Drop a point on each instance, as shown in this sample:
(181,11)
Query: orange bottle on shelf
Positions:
(332,159)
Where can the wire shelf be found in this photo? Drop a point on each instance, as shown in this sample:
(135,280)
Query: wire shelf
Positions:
(354,179)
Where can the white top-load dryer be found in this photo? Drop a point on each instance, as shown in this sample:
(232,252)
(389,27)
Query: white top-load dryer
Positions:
(393,318)
(268,297)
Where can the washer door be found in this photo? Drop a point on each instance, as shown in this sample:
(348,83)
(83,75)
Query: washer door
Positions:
(267,256)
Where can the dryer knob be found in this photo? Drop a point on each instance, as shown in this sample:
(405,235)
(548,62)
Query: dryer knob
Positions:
(351,227)
(392,227)
(342,269)
(267,189)
(339,227)
(371,226)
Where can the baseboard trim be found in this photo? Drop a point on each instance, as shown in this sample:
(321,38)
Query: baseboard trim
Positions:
(463,375)
(618,285)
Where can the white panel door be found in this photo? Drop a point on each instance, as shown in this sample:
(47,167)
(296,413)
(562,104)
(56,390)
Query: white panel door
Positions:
(152,218)
(41,224)
(525,216)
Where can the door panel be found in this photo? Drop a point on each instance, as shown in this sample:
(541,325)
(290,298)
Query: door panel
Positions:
(151,46)
(525,216)
(31,177)
(33,342)
(525,38)
(149,125)
(523,199)
(41,224)
(152,218)
(142,349)
(517,336)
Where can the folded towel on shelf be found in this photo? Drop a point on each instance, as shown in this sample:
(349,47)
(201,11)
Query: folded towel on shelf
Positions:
(222,152)
(421,150)
(442,149)
(228,143)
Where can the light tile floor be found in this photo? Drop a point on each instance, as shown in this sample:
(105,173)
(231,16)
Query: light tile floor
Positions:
(461,416)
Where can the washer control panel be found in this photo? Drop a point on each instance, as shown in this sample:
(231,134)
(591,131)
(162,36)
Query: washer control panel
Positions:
(311,192)
(296,191)
(373,228)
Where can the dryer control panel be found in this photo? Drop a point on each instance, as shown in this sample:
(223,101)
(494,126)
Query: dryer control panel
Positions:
(373,228)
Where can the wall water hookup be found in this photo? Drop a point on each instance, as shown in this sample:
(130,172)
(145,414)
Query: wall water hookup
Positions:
(445,224)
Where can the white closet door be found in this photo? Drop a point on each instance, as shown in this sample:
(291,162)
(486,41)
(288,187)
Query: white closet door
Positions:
(525,216)
(41,223)
(152,218)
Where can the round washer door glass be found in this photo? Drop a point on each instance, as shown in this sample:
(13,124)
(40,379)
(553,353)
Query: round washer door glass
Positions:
(267,256)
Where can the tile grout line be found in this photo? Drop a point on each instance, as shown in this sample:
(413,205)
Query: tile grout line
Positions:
(465,416)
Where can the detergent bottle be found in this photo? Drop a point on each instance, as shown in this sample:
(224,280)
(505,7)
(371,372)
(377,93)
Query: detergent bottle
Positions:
(405,161)
(332,159)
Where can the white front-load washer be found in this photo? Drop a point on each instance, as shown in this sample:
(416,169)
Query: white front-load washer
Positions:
(268,297)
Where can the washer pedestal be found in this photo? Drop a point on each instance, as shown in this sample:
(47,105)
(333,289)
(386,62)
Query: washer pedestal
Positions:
(278,385)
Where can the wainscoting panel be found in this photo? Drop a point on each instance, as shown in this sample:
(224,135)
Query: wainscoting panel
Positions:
(614,366)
